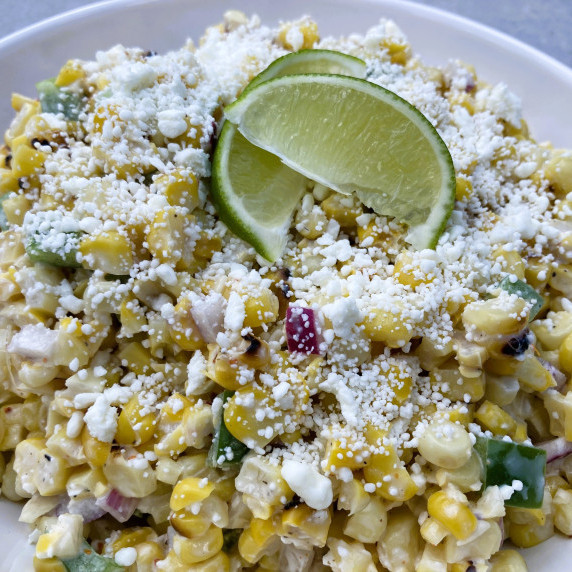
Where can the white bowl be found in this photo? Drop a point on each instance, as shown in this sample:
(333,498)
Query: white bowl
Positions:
(543,84)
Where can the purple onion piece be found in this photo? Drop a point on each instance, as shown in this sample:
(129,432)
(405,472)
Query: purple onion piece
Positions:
(302,331)
(119,507)
(86,507)
(556,449)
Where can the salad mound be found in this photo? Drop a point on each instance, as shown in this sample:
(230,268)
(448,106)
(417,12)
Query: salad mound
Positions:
(171,400)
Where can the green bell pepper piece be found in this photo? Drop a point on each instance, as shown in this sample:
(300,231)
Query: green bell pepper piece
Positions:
(54,99)
(505,462)
(525,291)
(225,445)
(67,259)
(88,560)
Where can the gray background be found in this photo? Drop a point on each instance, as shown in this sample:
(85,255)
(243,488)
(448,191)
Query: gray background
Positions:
(544,24)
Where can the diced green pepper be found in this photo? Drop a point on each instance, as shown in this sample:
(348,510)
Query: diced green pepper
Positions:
(54,99)
(225,445)
(88,560)
(523,290)
(505,462)
(3,219)
(65,257)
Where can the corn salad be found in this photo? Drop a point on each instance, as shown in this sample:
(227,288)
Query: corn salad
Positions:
(156,411)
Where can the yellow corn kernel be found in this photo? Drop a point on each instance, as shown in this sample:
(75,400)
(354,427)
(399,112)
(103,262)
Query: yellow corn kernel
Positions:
(108,251)
(343,208)
(510,261)
(224,370)
(530,516)
(558,171)
(189,491)
(368,525)
(183,328)
(240,419)
(27,110)
(261,307)
(130,479)
(495,419)
(172,563)
(8,182)
(507,561)
(388,327)
(198,548)
(48,565)
(207,244)
(174,409)
(131,316)
(445,444)
(339,453)
(135,357)
(132,537)
(14,430)
(402,531)
(463,188)
(134,426)
(565,354)
(408,271)
(496,316)
(399,52)
(533,376)
(559,409)
(17,101)
(552,331)
(15,207)
(352,496)
(26,161)
(217,563)
(96,451)
(180,188)
(432,531)
(251,550)
(166,238)
(70,72)
(561,276)
(188,524)
(526,536)
(308,30)
(452,514)
(305,525)
(451,382)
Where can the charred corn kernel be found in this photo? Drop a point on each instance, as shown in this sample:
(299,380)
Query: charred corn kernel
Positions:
(432,531)
(70,72)
(180,188)
(261,307)
(189,491)
(305,525)
(15,208)
(132,537)
(224,370)
(48,565)
(452,514)
(251,550)
(565,354)
(343,208)
(241,421)
(108,251)
(409,272)
(183,328)
(256,353)
(510,261)
(496,316)
(388,327)
(27,161)
(188,524)
(445,444)
(339,453)
(508,561)
(300,35)
(552,331)
(463,188)
(353,497)
(134,425)
(96,451)
(198,548)
(136,358)
(558,171)
(368,525)
(495,419)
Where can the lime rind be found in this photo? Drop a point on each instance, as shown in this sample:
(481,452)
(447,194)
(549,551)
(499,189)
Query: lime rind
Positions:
(388,180)
(261,216)
(311,61)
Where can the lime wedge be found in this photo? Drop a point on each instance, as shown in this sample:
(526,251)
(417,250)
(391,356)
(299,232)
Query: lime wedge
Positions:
(354,136)
(254,192)
(311,61)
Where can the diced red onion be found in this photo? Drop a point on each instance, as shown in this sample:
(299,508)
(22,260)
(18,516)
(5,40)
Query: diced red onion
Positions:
(302,331)
(119,507)
(556,449)
(86,507)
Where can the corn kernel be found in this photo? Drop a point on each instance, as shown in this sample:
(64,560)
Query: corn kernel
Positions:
(26,161)
(133,426)
(189,491)
(387,327)
(495,419)
(452,514)
(70,72)
(96,451)
(108,251)
(180,188)
(199,548)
